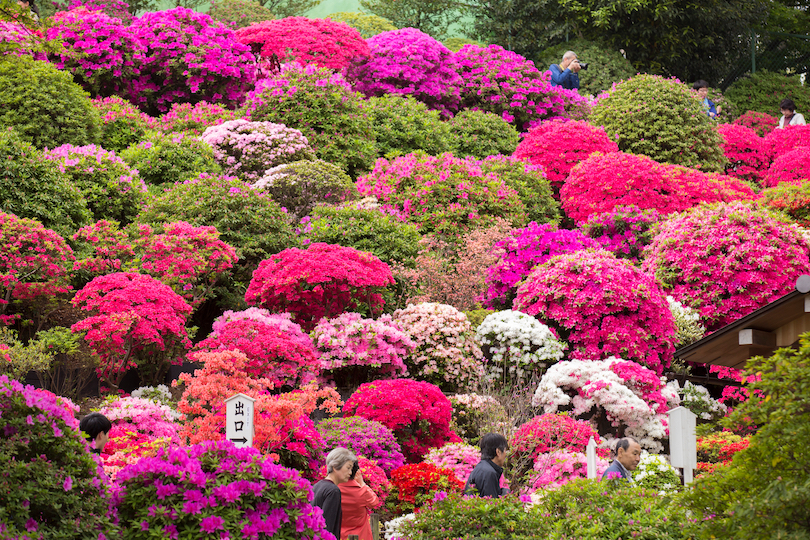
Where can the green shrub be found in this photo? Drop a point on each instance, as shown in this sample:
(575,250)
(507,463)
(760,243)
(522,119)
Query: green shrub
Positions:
(44,105)
(531,184)
(122,123)
(33,187)
(300,185)
(456,43)
(660,118)
(762,92)
(605,65)
(17,358)
(166,159)
(402,125)
(791,199)
(367,24)
(477,316)
(239,13)
(481,134)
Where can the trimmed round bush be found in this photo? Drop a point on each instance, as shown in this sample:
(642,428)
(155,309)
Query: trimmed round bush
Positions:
(624,231)
(530,183)
(122,123)
(367,438)
(192,119)
(239,13)
(480,134)
(34,187)
(408,62)
(110,187)
(322,105)
(609,66)
(403,125)
(247,149)
(367,24)
(790,168)
(792,199)
(746,152)
(660,118)
(559,146)
(51,486)
(31,91)
(325,43)
(762,91)
(166,159)
(761,123)
(727,260)
(627,314)
(300,185)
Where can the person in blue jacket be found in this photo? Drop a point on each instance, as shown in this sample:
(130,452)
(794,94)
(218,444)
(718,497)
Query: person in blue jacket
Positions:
(702,89)
(628,454)
(566,73)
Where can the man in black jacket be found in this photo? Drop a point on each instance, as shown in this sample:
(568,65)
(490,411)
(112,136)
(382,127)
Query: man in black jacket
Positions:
(485,478)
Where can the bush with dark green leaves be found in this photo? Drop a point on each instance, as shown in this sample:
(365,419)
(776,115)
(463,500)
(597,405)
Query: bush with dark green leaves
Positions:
(660,118)
(605,65)
(403,125)
(481,134)
(44,105)
(170,158)
(531,184)
(239,13)
(456,43)
(122,123)
(764,90)
(34,187)
(367,24)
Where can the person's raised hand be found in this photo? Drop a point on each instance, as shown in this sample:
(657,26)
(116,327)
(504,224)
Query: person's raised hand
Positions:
(359,478)
(574,66)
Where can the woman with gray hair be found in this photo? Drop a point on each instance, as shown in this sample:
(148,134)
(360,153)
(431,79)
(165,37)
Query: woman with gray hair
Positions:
(326,493)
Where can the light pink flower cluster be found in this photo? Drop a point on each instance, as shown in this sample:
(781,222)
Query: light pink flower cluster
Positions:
(556,469)
(460,458)
(143,416)
(446,351)
(248,149)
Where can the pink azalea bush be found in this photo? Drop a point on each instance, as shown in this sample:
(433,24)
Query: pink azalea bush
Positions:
(127,446)
(781,141)
(323,280)
(505,83)
(601,306)
(523,250)
(556,469)
(624,231)
(364,437)
(761,123)
(189,57)
(461,458)
(282,321)
(603,182)
(417,412)
(553,433)
(104,249)
(558,146)
(790,167)
(727,260)
(408,62)
(622,397)
(248,149)
(19,40)
(326,43)
(441,194)
(746,152)
(355,350)
(446,351)
(134,321)
(192,118)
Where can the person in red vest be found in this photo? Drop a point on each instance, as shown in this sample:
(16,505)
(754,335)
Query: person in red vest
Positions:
(357,500)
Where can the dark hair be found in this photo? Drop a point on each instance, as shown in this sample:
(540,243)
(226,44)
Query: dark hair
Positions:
(700,83)
(788,104)
(491,443)
(624,444)
(93,424)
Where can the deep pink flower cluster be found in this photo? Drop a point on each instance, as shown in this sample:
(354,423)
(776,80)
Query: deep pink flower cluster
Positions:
(624,231)
(553,433)
(524,250)
(505,83)
(746,152)
(603,182)
(417,412)
(192,118)
(727,260)
(327,43)
(302,448)
(408,62)
(323,280)
(761,123)
(189,58)
(114,8)
(602,306)
(558,146)
(444,194)
(365,437)
(780,141)
(790,167)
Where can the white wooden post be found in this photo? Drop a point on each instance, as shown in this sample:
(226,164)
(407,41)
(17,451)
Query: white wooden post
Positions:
(239,420)
(682,441)
(590,453)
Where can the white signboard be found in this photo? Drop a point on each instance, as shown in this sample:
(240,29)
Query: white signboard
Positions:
(590,453)
(683,441)
(239,420)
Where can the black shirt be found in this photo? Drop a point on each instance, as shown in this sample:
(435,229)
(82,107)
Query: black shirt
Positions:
(327,497)
(485,479)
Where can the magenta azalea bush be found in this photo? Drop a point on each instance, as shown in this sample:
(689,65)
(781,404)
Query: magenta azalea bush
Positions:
(189,57)
(746,152)
(248,149)
(761,123)
(602,306)
(365,437)
(780,141)
(443,194)
(790,167)
(326,43)
(505,83)
(408,62)
(624,231)
(727,260)
(355,350)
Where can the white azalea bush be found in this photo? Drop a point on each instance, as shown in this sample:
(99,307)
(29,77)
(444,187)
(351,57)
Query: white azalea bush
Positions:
(517,346)
(687,321)
(655,472)
(392,528)
(621,394)
(697,399)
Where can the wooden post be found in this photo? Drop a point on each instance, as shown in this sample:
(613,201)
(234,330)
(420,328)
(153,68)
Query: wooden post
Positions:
(683,441)
(375,526)
(590,453)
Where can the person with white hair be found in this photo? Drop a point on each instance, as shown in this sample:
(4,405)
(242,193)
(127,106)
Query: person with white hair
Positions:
(566,73)
(339,463)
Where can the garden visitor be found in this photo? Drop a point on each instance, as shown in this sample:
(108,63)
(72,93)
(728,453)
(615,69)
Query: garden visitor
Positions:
(702,89)
(326,493)
(96,427)
(357,501)
(789,115)
(485,478)
(33,10)
(566,73)
(628,454)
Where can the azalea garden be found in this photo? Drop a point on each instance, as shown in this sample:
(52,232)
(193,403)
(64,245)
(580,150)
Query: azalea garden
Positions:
(392,247)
